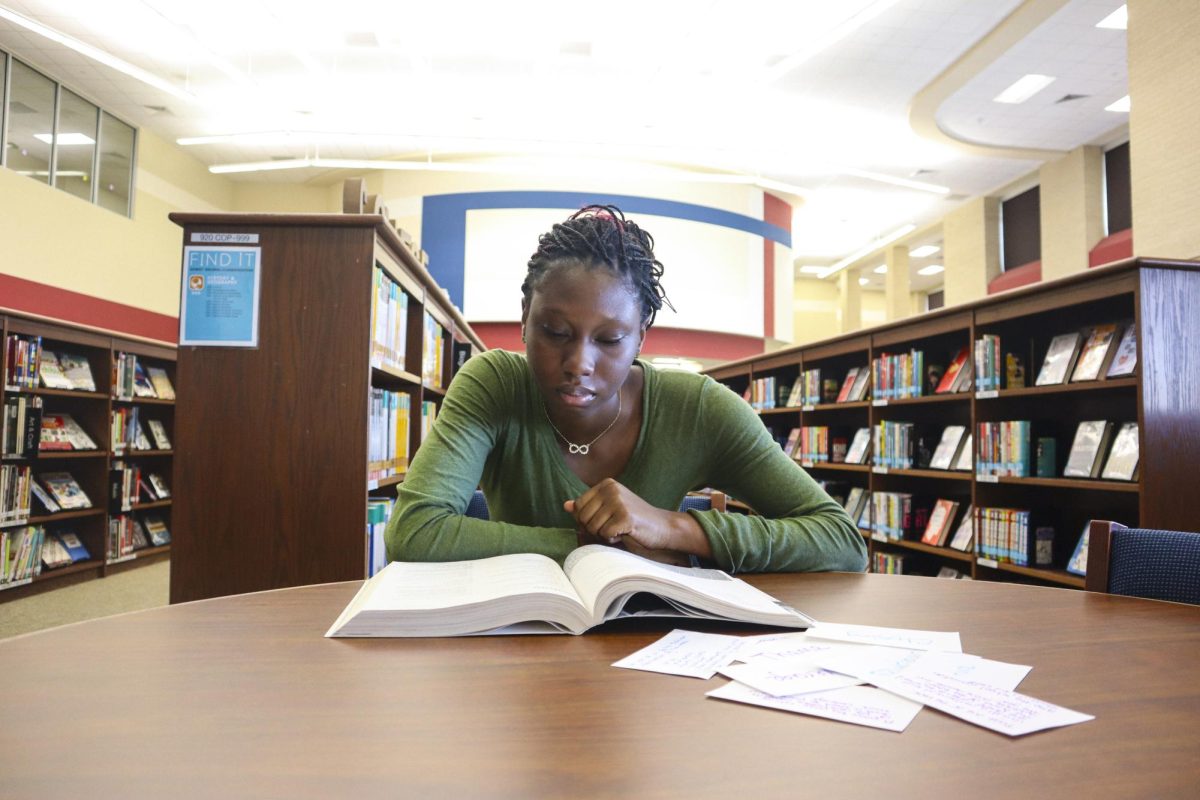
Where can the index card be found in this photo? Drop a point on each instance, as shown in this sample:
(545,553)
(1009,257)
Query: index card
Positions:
(887,637)
(996,709)
(687,653)
(972,669)
(780,678)
(860,705)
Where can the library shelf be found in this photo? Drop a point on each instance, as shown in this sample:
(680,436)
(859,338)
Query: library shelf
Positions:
(142,453)
(147,505)
(784,410)
(834,465)
(354,324)
(835,406)
(1153,297)
(110,360)
(920,547)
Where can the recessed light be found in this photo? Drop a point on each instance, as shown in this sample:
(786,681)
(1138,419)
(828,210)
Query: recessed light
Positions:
(1024,89)
(813,269)
(863,281)
(932,269)
(65,138)
(1121,105)
(880,270)
(1117,20)
(924,251)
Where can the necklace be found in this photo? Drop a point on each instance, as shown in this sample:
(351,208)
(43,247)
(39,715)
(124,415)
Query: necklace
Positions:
(582,449)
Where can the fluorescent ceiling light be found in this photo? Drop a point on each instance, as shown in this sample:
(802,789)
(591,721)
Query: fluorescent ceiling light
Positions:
(96,54)
(932,269)
(65,138)
(1117,20)
(863,281)
(924,251)
(62,173)
(1121,105)
(880,270)
(870,248)
(1024,89)
(813,269)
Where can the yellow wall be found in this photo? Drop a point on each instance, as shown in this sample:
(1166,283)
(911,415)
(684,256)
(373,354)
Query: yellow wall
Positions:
(1072,218)
(1164,120)
(971,246)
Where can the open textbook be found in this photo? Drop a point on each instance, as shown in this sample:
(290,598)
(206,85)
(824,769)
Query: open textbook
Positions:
(530,593)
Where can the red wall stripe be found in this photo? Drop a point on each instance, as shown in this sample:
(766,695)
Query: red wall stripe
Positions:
(1112,248)
(775,212)
(52,302)
(659,341)
(1017,276)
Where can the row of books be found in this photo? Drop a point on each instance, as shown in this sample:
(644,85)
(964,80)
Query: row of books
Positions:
(433,353)
(379,509)
(1004,449)
(131,378)
(130,486)
(21,426)
(16,486)
(987,363)
(885,563)
(20,554)
(128,534)
(814,444)
(127,433)
(893,443)
(389,321)
(1101,351)
(898,375)
(891,516)
(387,424)
(810,389)
(22,355)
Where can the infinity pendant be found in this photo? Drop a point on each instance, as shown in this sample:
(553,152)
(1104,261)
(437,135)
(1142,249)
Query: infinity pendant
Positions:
(578,449)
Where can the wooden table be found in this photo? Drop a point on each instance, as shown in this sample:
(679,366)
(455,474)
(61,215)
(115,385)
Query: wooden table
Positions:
(241,696)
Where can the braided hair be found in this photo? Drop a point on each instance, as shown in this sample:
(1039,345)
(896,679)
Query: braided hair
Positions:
(599,235)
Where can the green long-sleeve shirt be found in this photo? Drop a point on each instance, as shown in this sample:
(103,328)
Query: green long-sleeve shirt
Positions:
(492,432)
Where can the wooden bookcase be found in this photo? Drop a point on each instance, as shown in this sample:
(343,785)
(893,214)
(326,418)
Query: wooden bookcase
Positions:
(92,469)
(274,477)
(1158,296)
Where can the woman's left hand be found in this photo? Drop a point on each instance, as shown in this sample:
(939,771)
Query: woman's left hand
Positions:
(612,513)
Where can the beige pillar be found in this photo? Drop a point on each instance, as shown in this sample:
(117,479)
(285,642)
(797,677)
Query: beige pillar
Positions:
(1164,117)
(971,246)
(1072,200)
(849,302)
(896,284)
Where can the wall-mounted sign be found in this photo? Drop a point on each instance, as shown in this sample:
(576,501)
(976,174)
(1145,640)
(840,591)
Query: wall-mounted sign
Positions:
(220,296)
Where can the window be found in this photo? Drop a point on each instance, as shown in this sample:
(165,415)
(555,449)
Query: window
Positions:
(935,300)
(1118,204)
(1021,229)
(51,134)
(30,116)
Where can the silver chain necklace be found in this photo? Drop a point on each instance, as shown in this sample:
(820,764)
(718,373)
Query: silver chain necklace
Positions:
(582,449)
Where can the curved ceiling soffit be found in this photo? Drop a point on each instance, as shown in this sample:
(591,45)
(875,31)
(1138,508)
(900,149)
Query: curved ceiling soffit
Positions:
(922,111)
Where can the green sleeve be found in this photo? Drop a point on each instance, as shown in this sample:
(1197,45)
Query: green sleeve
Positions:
(798,528)
(427,523)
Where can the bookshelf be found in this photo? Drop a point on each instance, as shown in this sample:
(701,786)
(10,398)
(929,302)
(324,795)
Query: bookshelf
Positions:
(1154,296)
(106,527)
(283,442)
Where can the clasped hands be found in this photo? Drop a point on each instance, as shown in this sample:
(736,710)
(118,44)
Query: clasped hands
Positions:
(610,514)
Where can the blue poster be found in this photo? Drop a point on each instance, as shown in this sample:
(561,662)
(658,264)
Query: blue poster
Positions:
(220,296)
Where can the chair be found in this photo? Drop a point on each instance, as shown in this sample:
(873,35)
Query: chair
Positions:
(478,506)
(703,502)
(1137,562)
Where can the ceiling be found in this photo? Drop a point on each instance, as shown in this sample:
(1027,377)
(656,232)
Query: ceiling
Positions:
(804,97)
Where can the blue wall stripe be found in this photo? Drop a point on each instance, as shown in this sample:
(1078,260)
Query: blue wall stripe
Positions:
(444,223)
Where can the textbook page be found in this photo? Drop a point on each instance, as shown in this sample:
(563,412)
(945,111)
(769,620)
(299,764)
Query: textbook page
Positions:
(428,585)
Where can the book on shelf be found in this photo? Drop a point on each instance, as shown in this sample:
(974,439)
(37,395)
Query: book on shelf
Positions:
(964,461)
(54,553)
(859,447)
(62,432)
(1046,462)
(1060,358)
(21,426)
(140,542)
(21,361)
(948,448)
(66,492)
(159,486)
(161,382)
(1122,461)
(843,394)
(950,378)
(862,385)
(78,371)
(51,374)
(1093,358)
(855,501)
(530,593)
(796,395)
(20,553)
(49,506)
(952,573)
(964,535)
(1124,363)
(1077,563)
(940,520)
(793,438)
(159,432)
(1088,449)
(157,531)
(74,545)
(1014,371)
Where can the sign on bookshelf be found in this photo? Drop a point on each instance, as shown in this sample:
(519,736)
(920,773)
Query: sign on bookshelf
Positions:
(219,307)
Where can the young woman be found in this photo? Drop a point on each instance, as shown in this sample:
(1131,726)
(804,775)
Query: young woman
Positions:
(580,442)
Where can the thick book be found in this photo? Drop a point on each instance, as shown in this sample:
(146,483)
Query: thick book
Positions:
(157,531)
(1088,449)
(1060,358)
(862,385)
(74,546)
(964,536)
(159,432)
(963,461)
(142,387)
(530,593)
(1093,357)
(1123,460)
(1125,361)
(859,447)
(848,384)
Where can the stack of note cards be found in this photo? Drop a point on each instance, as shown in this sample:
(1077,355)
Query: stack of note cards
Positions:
(879,677)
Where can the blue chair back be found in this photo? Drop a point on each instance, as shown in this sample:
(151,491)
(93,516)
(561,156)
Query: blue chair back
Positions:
(478,506)
(1154,564)
(703,502)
